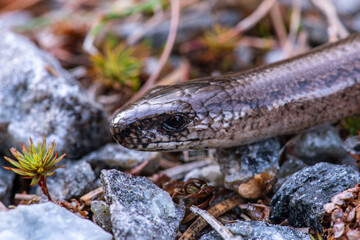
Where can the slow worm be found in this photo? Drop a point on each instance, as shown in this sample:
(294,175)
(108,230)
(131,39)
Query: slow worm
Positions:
(320,86)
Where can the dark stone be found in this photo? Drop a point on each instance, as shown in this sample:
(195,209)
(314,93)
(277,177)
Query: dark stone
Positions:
(254,230)
(6,183)
(301,198)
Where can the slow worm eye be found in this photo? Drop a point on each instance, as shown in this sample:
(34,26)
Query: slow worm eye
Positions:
(125,132)
(175,123)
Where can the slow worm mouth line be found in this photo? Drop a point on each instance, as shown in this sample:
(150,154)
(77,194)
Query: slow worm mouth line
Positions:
(308,90)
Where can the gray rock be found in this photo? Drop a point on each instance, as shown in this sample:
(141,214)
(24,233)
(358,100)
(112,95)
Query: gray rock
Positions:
(319,145)
(254,230)
(139,209)
(47,221)
(301,198)
(38,98)
(192,23)
(113,155)
(75,179)
(102,214)
(241,164)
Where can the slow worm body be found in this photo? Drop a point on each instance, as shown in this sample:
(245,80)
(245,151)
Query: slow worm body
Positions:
(320,86)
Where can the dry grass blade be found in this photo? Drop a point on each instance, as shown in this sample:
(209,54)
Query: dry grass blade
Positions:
(294,27)
(180,171)
(175,17)
(215,224)
(336,29)
(250,20)
(18,5)
(279,24)
(215,211)
(87,198)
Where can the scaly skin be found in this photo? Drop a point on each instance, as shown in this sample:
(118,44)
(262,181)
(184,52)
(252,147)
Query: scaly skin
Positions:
(320,86)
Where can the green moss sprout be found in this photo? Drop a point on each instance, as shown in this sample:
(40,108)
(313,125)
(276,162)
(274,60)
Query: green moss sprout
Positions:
(36,163)
(120,64)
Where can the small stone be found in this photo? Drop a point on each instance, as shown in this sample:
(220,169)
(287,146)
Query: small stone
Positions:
(113,155)
(301,198)
(274,55)
(243,56)
(211,174)
(39,98)
(289,167)
(254,230)
(102,214)
(6,183)
(316,27)
(47,221)
(139,209)
(319,145)
(75,179)
(240,164)
(352,145)
(13,19)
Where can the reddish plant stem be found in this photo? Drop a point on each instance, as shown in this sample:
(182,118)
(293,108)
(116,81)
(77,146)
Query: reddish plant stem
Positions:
(42,184)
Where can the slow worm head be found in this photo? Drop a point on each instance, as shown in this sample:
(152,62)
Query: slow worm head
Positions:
(320,86)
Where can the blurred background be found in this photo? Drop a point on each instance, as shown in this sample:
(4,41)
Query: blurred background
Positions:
(119,49)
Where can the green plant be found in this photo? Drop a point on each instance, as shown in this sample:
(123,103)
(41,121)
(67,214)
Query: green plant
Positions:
(118,63)
(318,237)
(35,163)
(352,124)
(216,39)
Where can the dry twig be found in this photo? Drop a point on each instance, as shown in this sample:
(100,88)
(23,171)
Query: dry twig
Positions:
(336,29)
(250,20)
(26,197)
(87,198)
(215,211)
(180,171)
(279,24)
(294,27)
(215,224)
(18,5)
(175,16)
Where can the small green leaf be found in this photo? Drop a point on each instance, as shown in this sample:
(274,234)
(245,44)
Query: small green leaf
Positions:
(35,180)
